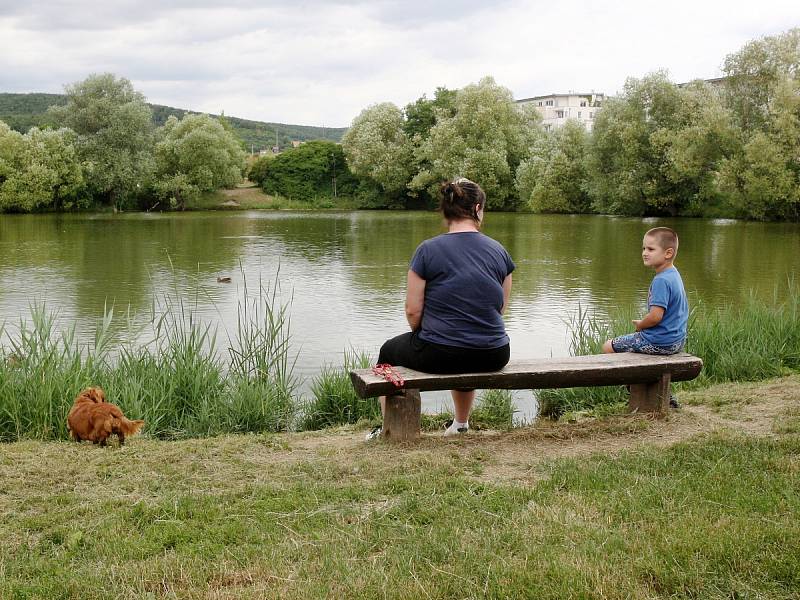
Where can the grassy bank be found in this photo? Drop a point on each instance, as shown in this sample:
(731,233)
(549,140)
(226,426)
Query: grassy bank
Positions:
(248,196)
(704,504)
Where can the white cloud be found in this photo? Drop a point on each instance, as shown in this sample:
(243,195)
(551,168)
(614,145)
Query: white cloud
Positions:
(319,62)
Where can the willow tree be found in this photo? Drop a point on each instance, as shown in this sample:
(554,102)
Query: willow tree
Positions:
(115,136)
(193,155)
(485,139)
(378,149)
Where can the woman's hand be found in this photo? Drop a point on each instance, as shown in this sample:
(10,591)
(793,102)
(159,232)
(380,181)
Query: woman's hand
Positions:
(415,300)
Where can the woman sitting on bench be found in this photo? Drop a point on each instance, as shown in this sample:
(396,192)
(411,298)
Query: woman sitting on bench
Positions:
(459,283)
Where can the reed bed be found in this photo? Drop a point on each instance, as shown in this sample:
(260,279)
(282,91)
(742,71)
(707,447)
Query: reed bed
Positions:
(180,380)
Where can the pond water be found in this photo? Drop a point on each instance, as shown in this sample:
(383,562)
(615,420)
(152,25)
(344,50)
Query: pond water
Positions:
(344,272)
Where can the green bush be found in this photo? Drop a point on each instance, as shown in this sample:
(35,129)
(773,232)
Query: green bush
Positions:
(309,171)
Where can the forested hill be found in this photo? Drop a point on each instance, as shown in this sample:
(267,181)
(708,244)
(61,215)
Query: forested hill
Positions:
(23,111)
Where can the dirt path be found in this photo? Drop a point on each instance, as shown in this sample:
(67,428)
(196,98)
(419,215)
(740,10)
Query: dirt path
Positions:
(750,408)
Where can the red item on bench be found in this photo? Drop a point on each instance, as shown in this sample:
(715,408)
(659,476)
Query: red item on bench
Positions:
(389,373)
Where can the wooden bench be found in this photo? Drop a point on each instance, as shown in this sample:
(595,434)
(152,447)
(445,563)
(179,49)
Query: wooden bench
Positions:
(648,376)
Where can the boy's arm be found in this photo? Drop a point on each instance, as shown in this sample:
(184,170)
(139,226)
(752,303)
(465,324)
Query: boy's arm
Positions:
(651,319)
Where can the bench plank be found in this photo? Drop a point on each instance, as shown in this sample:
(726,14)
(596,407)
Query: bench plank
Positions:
(574,371)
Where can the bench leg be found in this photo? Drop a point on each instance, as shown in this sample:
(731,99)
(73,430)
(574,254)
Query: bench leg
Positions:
(401,417)
(651,397)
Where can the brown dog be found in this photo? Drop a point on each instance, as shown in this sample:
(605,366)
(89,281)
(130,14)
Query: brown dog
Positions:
(92,418)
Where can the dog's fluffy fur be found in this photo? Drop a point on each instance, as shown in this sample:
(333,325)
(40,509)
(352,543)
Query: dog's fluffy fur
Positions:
(92,418)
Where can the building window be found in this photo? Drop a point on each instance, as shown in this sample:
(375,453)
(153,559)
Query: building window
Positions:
(590,115)
(560,114)
(548,103)
(583,102)
(598,103)
(540,102)
(579,114)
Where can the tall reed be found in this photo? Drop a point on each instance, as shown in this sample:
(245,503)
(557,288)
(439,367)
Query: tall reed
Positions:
(334,400)
(178,380)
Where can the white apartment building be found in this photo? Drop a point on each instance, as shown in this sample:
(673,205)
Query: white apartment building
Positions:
(557,108)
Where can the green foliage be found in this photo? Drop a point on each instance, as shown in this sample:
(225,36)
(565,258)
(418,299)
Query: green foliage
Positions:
(334,400)
(314,169)
(23,111)
(553,178)
(657,149)
(754,74)
(377,148)
(115,136)
(257,173)
(39,170)
(485,140)
(494,410)
(423,114)
(763,180)
(196,154)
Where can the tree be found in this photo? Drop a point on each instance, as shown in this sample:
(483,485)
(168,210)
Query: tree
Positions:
(553,178)
(312,170)
(193,155)
(485,139)
(655,148)
(754,74)
(39,170)
(377,148)
(115,136)
(763,181)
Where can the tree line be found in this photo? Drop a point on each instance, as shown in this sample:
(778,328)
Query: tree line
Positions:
(658,148)
(106,151)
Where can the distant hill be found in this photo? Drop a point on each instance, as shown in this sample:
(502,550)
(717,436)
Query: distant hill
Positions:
(23,111)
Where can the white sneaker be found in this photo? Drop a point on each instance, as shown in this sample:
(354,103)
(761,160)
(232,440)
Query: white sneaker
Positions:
(375,433)
(453,430)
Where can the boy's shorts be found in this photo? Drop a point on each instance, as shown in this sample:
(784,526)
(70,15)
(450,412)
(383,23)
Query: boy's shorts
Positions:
(635,342)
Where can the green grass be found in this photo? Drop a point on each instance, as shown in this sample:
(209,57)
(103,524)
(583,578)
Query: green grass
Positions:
(177,381)
(321,515)
(335,401)
(250,197)
(752,341)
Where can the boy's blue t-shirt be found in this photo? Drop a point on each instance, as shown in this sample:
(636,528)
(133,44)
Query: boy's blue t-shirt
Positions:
(464,274)
(667,291)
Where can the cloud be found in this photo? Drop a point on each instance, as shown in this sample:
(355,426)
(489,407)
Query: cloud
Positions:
(316,61)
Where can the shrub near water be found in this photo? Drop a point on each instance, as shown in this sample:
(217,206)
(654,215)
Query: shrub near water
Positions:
(176,382)
(334,400)
(750,341)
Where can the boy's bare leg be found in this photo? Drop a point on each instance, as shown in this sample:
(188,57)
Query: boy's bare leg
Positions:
(608,348)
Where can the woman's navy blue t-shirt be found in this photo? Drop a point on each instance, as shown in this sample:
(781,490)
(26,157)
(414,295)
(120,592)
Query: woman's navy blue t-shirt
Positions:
(464,274)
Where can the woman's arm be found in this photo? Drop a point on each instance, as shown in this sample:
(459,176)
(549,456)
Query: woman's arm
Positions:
(506,292)
(415,299)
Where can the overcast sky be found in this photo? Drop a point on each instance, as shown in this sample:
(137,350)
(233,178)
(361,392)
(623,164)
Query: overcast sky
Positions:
(318,62)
